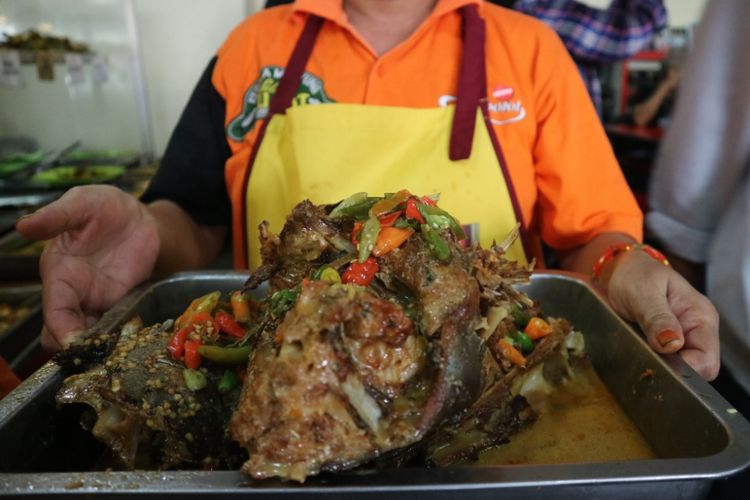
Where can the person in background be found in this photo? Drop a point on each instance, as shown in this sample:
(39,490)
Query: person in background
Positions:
(655,108)
(592,36)
(598,36)
(503,128)
(700,186)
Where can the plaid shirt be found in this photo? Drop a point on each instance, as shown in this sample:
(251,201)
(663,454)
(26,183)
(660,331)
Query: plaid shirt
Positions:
(594,36)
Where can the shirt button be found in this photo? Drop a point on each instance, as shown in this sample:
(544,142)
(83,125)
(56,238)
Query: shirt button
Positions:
(380,71)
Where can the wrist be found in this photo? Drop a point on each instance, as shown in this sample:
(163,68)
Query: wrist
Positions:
(614,255)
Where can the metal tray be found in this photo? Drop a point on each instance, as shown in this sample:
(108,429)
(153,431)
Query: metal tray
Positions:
(696,434)
(19,341)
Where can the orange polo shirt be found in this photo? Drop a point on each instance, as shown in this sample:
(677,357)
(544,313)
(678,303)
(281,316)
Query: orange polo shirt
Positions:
(568,182)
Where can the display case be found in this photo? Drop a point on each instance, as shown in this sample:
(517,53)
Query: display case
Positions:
(86,94)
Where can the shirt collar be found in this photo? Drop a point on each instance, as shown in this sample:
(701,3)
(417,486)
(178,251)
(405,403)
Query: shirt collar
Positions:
(333,10)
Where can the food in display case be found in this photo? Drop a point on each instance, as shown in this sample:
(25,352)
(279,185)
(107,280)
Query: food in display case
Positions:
(10,314)
(17,162)
(371,331)
(32,40)
(75,175)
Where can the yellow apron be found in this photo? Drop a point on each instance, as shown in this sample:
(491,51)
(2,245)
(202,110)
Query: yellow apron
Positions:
(326,152)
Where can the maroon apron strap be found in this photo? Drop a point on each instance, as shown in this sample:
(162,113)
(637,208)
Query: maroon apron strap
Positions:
(281,100)
(295,67)
(472,92)
(470,89)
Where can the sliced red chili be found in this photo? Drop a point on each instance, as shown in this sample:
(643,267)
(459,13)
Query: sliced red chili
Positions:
(355,232)
(228,325)
(429,201)
(412,212)
(192,356)
(361,274)
(177,345)
(388,220)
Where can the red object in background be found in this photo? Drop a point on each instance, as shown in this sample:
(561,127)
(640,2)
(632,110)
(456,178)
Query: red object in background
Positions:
(8,379)
(625,90)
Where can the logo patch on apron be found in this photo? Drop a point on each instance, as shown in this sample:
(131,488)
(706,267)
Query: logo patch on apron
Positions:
(257,99)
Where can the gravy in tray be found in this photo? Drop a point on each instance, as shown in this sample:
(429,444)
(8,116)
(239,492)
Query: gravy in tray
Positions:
(582,423)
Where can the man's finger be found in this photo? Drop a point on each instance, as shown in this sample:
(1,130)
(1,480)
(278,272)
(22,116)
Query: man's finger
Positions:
(662,328)
(66,214)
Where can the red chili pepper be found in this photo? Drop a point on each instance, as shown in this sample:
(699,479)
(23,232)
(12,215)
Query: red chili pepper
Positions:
(428,201)
(228,325)
(412,212)
(177,344)
(361,274)
(192,357)
(355,232)
(210,329)
(388,220)
(241,372)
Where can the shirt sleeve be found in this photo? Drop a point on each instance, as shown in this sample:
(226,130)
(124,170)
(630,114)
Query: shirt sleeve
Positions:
(581,191)
(705,158)
(191,173)
(600,35)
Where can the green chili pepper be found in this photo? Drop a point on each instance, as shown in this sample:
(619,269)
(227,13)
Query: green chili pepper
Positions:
(360,211)
(523,342)
(283,300)
(225,355)
(441,217)
(367,238)
(228,381)
(194,379)
(328,274)
(402,223)
(351,201)
(521,317)
(435,243)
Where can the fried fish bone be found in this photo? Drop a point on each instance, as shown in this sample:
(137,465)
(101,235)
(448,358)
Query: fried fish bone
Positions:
(143,410)
(346,379)
(353,373)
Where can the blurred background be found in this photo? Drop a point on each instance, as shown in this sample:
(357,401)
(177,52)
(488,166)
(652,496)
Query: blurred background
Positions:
(90,91)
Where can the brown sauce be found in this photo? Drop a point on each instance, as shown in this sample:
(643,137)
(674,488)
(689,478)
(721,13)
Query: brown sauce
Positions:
(582,423)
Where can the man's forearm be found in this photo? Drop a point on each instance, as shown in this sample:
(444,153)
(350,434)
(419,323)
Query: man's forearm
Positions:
(185,245)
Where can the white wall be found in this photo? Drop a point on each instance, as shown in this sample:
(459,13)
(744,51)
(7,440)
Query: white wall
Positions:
(681,12)
(56,113)
(178,37)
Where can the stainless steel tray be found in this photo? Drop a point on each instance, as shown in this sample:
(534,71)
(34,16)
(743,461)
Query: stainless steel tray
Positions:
(20,340)
(696,434)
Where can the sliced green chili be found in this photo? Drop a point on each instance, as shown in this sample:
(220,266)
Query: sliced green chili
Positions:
(436,215)
(355,199)
(523,342)
(521,317)
(283,300)
(194,379)
(225,355)
(367,238)
(228,381)
(435,243)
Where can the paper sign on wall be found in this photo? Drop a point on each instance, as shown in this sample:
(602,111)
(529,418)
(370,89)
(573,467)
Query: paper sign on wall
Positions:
(45,66)
(10,68)
(99,68)
(74,64)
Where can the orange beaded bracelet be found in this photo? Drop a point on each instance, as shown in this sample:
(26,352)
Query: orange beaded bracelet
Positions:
(611,252)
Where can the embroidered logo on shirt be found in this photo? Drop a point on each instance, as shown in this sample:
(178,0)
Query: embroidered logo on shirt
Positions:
(503,105)
(257,99)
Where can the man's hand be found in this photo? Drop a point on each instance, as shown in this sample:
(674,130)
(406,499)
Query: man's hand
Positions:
(673,315)
(103,242)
